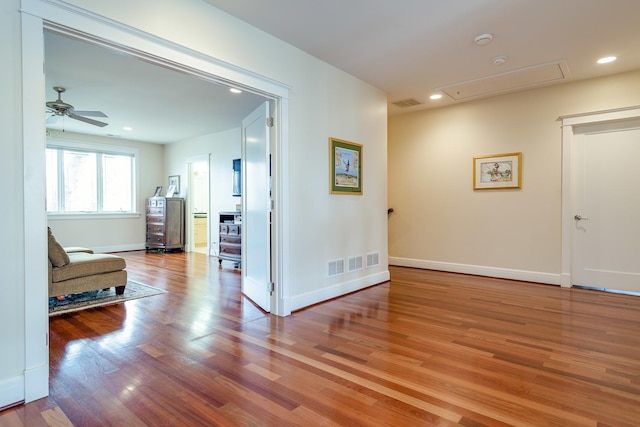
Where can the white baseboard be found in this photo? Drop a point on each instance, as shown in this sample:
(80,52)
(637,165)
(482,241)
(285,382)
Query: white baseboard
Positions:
(478,270)
(119,248)
(310,298)
(36,383)
(11,391)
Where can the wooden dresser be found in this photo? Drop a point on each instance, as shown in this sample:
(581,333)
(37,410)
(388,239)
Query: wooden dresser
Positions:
(165,223)
(230,237)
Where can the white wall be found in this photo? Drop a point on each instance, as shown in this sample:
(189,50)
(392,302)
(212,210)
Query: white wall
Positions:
(324,102)
(113,234)
(12,265)
(222,148)
(440,222)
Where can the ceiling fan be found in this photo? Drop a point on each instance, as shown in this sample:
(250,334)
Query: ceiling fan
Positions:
(61,108)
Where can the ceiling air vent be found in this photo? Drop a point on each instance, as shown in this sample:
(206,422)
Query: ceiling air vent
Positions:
(411,102)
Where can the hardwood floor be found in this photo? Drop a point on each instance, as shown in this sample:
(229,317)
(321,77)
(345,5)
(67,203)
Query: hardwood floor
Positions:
(425,349)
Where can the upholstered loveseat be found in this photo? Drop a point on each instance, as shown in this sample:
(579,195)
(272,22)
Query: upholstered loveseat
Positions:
(74,269)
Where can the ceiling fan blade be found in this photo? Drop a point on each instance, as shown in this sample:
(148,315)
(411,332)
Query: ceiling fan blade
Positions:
(87,120)
(90,113)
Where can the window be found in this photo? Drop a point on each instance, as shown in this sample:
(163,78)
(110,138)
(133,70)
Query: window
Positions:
(85,180)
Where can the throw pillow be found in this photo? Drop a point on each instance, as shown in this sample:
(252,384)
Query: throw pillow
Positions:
(57,255)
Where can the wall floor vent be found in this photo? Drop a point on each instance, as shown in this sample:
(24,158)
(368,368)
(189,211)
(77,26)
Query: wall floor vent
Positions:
(373,259)
(335,268)
(355,263)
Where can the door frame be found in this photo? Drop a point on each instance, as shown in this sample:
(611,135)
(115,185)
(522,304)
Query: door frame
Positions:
(40,15)
(190,223)
(572,125)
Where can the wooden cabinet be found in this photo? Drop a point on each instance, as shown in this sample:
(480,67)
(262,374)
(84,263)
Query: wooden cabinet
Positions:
(230,237)
(165,223)
(199,231)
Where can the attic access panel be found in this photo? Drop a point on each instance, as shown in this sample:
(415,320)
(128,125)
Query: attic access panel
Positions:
(507,82)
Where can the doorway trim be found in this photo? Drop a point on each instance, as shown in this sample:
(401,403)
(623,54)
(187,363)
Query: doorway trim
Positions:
(572,125)
(190,223)
(63,18)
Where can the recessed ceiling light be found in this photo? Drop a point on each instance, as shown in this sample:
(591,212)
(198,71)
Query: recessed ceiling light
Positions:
(234,90)
(436,96)
(127,128)
(606,59)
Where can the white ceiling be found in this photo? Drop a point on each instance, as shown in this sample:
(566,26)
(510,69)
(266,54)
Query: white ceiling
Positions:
(160,104)
(408,48)
(413,48)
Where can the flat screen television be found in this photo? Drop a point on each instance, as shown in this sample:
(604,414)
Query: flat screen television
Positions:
(237,178)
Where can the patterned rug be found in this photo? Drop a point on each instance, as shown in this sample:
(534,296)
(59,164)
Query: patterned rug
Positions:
(91,299)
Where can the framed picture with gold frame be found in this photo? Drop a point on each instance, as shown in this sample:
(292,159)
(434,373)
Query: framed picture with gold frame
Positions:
(497,171)
(345,159)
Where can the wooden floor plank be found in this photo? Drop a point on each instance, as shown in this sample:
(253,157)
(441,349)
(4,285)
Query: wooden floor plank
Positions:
(426,348)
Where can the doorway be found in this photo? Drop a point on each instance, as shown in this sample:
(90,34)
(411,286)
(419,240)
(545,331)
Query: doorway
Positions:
(199,206)
(38,16)
(599,228)
(605,236)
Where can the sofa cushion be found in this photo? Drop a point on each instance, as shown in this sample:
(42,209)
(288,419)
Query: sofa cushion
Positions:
(57,255)
(84,264)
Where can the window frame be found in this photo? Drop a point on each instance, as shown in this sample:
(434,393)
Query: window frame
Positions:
(99,149)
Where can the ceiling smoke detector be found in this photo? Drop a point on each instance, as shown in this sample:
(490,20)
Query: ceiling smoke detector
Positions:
(483,39)
(499,60)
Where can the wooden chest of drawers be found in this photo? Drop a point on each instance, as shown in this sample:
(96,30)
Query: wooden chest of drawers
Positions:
(165,223)
(230,235)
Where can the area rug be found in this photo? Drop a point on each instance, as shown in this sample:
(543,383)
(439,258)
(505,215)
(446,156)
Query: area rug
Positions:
(92,299)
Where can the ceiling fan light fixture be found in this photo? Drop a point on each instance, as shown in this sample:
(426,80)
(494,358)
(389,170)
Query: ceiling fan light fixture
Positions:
(483,39)
(61,108)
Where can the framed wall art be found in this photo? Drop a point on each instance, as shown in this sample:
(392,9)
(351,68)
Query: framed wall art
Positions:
(497,171)
(175,181)
(345,160)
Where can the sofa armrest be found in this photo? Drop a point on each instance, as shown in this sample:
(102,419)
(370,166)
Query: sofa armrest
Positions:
(75,249)
(50,273)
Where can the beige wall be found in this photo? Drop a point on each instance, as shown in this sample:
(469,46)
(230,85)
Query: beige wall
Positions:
(441,222)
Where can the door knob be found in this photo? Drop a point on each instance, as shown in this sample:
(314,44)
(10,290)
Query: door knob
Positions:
(579,217)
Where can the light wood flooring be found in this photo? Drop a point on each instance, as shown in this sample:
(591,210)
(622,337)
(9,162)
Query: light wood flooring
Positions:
(425,349)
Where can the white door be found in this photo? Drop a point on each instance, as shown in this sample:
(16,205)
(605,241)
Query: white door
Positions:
(256,240)
(606,234)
